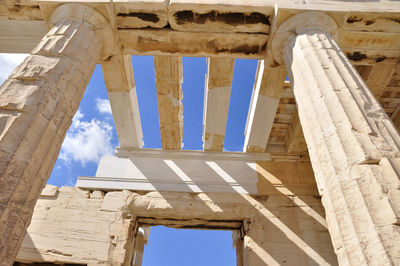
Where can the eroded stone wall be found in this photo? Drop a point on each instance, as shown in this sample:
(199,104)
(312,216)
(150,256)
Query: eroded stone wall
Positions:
(70,225)
(283,224)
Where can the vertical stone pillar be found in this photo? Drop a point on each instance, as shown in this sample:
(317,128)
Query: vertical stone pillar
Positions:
(37,104)
(350,140)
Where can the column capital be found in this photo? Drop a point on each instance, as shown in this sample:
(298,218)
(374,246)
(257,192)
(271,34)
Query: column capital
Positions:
(310,21)
(90,16)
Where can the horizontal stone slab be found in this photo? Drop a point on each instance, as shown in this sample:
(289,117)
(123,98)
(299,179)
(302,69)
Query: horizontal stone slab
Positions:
(170,42)
(181,171)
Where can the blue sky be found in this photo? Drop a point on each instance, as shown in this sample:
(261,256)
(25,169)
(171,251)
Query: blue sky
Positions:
(200,248)
(93,135)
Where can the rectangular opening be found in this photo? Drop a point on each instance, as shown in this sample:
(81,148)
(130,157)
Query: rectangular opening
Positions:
(172,242)
(145,82)
(242,87)
(194,72)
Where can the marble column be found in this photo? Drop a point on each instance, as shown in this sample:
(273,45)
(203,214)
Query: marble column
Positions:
(353,145)
(37,104)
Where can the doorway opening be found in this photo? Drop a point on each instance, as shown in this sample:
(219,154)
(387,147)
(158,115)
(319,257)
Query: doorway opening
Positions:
(180,245)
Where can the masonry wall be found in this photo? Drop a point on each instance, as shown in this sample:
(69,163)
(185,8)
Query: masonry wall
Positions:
(70,225)
(277,229)
(283,224)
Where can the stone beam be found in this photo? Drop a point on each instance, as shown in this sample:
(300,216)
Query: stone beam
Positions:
(370,40)
(349,136)
(175,43)
(395,84)
(268,86)
(154,12)
(295,142)
(396,117)
(118,76)
(141,14)
(220,16)
(37,104)
(379,77)
(168,71)
(216,102)
(366,34)
(20,36)
(197,171)
(211,155)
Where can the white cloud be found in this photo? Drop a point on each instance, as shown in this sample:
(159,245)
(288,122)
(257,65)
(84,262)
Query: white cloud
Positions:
(8,62)
(86,141)
(103,106)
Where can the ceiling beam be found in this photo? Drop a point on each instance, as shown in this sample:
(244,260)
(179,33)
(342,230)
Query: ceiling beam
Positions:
(177,43)
(395,83)
(267,91)
(220,16)
(168,70)
(20,36)
(379,77)
(295,142)
(216,102)
(119,80)
(396,118)
(370,40)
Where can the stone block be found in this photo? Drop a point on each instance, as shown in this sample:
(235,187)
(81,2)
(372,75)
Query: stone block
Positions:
(49,191)
(113,201)
(97,194)
(72,219)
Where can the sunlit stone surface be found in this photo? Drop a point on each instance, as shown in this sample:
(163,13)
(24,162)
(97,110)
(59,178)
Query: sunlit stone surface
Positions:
(331,132)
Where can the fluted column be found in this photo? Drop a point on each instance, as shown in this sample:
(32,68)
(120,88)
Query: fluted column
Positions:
(37,104)
(352,143)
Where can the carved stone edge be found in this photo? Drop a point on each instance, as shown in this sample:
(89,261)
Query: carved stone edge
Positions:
(88,15)
(310,21)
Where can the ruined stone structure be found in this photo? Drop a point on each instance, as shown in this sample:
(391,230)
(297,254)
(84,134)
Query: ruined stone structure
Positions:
(317,182)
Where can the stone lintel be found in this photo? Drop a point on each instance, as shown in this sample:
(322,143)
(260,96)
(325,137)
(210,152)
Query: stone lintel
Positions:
(216,101)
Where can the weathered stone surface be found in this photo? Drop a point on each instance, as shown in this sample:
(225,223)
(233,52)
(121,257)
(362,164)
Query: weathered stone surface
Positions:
(348,134)
(120,83)
(96,195)
(167,42)
(80,231)
(141,14)
(37,104)
(276,230)
(354,146)
(282,226)
(49,191)
(216,102)
(267,90)
(113,201)
(224,16)
(295,142)
(168,70)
